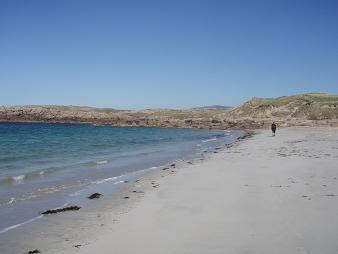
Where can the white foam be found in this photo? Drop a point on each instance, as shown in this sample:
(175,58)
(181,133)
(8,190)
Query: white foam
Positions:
(106,180)
(208,140)
(18,178)
(62,206)
(101,162)
(28,221)
(11,201)
(20,224)
(76,193)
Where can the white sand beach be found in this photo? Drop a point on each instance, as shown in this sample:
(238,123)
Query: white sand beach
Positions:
(263,195)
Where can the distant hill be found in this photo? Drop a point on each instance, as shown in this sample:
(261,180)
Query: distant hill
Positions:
(311,109)
(310,106)
(214,107)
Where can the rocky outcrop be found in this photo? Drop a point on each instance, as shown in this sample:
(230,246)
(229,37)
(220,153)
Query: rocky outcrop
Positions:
(168,118)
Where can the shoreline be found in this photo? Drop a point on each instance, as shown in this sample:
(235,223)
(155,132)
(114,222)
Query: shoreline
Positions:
(125,185)
(262,195)
(259,195)
(246,123)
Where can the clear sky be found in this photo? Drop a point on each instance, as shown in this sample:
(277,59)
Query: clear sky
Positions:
(141,54)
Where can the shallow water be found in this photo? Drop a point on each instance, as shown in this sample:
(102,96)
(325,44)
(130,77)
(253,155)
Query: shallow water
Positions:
(43,166)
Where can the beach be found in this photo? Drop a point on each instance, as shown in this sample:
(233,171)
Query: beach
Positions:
(148,127)
(56,166)
(263,195)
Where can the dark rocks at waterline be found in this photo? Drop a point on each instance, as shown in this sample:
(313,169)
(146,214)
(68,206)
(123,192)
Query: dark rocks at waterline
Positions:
(126,197)
(245,136)
(165,168)
(54,211)
(33,251)
(95,195)
(173,165)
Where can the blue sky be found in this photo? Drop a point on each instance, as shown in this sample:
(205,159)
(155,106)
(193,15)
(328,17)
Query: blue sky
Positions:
(141,54)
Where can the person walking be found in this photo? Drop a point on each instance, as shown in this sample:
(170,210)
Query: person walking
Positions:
(273,128)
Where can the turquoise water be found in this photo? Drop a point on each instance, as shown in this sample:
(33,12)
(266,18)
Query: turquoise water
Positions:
(42,166)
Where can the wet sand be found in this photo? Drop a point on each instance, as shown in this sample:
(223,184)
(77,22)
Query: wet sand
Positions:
(262,195)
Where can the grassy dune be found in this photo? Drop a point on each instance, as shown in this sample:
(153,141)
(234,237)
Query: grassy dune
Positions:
(311,106)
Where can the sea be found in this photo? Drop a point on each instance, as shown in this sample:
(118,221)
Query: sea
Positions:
(46,166)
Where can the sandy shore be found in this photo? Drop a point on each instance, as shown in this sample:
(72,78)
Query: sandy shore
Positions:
(263,195)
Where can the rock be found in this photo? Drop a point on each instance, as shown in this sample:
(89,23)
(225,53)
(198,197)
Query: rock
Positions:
(33,251)
(126,197)
(173,165)
(95,195)
(165,168)
(69,208)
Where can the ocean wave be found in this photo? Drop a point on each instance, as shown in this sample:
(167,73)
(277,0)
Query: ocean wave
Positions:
(18,178)
(106,180)
(77,193)
(12,179)
(28,175)
(20,224)
(94,163)
(101,162)
(208,140)
(11,201)
(119,182)
(27,221)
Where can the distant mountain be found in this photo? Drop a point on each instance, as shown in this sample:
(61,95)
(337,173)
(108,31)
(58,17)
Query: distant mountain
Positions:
(214,107)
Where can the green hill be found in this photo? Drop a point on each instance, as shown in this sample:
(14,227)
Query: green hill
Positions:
(311,106)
